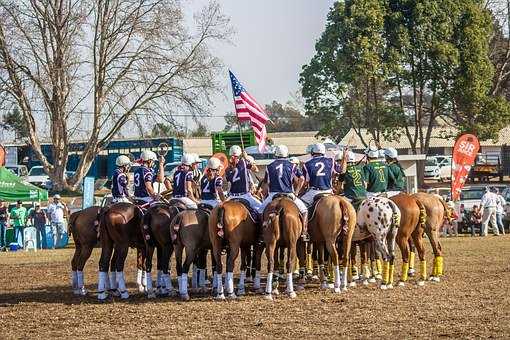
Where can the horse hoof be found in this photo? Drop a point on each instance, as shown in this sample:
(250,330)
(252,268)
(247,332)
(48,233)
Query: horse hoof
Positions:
(324,285)
(401,284)
(300,287)
(268,297)
(77,291)
(114,292)
(378,276)
(372,280)
(365,282)
(219,297)
(411,272)
(389,286)
(292,294)
(102,297)
(434,279)
(142,289)
(231,296)
(315,278)
(421,283)
(344,289)
(384,287)
(337,290)
(184,297)
(151,295)
(124,295)
(276,292)
(241,291)
(331,286)
(352,284)
(355,278)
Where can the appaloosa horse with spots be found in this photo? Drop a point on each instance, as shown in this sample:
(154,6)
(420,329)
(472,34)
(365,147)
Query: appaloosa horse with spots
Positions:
(381,217)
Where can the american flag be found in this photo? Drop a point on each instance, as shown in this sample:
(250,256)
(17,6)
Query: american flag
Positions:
(247,109)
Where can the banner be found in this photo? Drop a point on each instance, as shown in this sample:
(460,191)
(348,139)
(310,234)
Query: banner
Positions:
(88,192)
(464,154)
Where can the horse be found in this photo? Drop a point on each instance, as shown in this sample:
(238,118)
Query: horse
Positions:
(412,225)
(437,211)
(282,228)
(232,221)
(120,228)
(157,234)
(334,217)
(381,217)
(190,232)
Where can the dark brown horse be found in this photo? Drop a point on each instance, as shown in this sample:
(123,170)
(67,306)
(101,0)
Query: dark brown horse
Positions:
(281,229)
(232,219)
(120,228)
(190,233)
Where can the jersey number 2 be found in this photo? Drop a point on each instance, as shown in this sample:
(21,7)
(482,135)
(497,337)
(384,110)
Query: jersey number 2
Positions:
(321,166)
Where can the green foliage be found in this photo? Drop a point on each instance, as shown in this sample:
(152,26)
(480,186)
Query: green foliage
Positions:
(166,130)
(200,131)
(13,121)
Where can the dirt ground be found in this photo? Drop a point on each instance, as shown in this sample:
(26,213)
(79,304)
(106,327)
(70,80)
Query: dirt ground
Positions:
(472,301)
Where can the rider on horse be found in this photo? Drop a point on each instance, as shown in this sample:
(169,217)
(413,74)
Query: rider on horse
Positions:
(144,177)
(398,183)
(183,182)
(280,175)
(120,181)
(239,178)
(353,179)
(376,173)
(211,185)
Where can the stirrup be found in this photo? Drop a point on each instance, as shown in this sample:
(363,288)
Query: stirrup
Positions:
(305,237)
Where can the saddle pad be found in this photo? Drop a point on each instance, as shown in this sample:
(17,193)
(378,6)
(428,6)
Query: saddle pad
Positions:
(206,208)
(254,215)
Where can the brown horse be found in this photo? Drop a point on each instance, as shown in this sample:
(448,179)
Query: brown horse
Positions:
(190,233)
(412,226)
(120,228)
(156,223)
(281,229)
(334,217)
(232,219)
(437,211)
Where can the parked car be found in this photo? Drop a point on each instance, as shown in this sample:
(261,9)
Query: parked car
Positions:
(431,168)
(18,170)
(37,176)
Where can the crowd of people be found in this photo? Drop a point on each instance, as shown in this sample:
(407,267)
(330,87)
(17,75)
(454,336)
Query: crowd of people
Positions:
(19,217)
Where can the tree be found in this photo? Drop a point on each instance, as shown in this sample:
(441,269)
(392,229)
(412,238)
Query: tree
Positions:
(13,121)
(402,67)
(166,130)
(200,131)
(94,65)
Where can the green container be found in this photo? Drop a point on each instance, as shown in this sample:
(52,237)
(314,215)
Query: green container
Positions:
(222,141)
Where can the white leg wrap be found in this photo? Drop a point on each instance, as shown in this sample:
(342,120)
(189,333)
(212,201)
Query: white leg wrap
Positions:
(167,282)
(144,279)
(215,280)
(337,277)
(344,277)
(148,278)
(113,280)
(290,284)
(159,279)
(242,278)
(229,283)
(269,284)
(201,278)
(194,277)
(219,283)
(74,280)
(79,279)
(139,277)
(121,282)
(256,281)
(183,289)
(101,285)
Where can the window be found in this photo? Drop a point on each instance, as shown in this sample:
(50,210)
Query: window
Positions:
(37,171)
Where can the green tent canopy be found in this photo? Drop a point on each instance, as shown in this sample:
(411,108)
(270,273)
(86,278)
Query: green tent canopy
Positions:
(13,188)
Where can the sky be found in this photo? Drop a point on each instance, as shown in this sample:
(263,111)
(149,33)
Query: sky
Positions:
(273,40)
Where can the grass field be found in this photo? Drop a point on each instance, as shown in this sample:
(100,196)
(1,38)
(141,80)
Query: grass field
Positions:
(472,301)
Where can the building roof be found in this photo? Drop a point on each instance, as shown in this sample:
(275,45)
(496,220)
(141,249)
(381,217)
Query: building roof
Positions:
(441,138)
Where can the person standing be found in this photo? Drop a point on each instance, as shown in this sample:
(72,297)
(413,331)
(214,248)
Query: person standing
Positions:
(489,205)
(500,211)
(19,218)
(56,212)
(476,220)
(4,223)
(38,219)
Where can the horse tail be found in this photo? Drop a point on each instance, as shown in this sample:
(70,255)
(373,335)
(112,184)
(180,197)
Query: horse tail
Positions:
(423,214)
(220,222)
(175,227)
(347,223)
(396,213)
(145,227)
(447,211)
(71,225)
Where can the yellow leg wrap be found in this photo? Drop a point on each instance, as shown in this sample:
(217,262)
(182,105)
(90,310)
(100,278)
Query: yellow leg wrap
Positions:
(373,265)
(440,271)
(366,271)
(385,272)
(392,273)
(411,260)
(423,270)
(434,267)
(405,270)
(354,270)
(309,263)
(349,274)
(378,264)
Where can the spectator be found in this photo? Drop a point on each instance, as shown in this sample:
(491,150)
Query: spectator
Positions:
(451,229)
(4,224)
(500,211)
(38,219)
(489,205)
(475,220)
(56,212)
(19,219)
(463,216)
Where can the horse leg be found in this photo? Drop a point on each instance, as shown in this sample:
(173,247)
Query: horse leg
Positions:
(291,260)
(229,279)
(148,268)
(218,279)
(437,268)
(74,268)
(322,270)
(364,263)
(202,268)
(375,260)
(111,282)
(246,259)
(390,240)
(258,264)
(179,249)
(166,280)
(141,279)
(121,251)
(412,252)
(159,266)
(301,254)
(381,246)
(104,262)
(420,247)
(403,244)
(183,278)
(80,264)
(353,267)
(333,255)
(270,255)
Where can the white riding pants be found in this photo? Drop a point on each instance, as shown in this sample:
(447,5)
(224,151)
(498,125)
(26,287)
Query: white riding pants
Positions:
(299,203)
(212,203)
(311,193)
(122,199)
(190,204)
(392,193)
(254,203)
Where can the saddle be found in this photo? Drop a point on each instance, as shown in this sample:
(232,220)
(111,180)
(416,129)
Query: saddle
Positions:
(313,206)
(254,215)
(206,208)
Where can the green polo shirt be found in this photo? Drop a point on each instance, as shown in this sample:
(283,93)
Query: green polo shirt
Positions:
(354,182)
(377,175)
(398,182)
(18,216)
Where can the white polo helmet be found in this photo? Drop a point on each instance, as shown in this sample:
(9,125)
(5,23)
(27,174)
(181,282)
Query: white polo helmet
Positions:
(281,151)
(122,160)
(351,157)
(235,150)
(339,156)
(197,158)
(294,160)
(250,159)
(214,163)
(148,155)
(382,153)
(319,148)
(188,159)
(391,152)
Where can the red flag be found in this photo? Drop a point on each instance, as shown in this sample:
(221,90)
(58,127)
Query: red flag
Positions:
(464,154)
